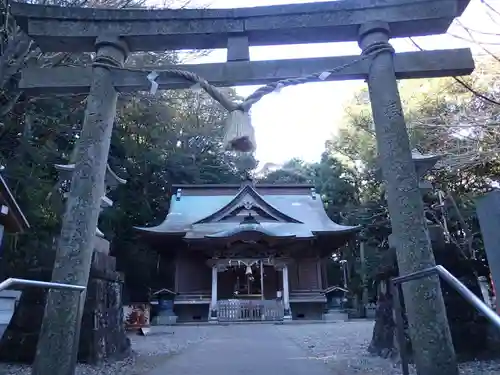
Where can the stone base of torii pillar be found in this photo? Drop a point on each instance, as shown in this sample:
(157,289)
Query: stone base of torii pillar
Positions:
(102,334)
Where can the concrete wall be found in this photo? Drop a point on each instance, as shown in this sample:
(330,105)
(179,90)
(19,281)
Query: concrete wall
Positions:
(8,299)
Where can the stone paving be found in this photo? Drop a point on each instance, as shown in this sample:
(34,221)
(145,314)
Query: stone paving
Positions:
(244,350)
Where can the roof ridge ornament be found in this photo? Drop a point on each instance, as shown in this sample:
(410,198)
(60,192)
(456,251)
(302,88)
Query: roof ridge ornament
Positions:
(248,205)
(249,220)
(247,178)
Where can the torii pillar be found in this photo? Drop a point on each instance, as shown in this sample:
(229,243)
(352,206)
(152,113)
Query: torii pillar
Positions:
(428,323)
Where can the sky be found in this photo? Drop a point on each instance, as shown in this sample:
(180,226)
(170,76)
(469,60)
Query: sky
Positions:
(298,120)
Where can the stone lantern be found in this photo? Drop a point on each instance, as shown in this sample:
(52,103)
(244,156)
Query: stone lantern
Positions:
(112,181)
(424,164)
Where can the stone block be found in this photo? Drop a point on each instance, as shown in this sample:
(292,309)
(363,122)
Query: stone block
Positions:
(103,262)
(370,310)
(335,316)
(167,320)
(104,267)
(238,49)
(102,334)
(101,245)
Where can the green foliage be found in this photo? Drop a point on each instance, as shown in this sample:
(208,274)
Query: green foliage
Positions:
(443,117)
(335,182)
(158,142)
(174,137)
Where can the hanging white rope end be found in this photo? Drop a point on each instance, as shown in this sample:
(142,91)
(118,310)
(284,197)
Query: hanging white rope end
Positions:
(152,79)
(240,134)
(196,88)
(324,76)
(278,88)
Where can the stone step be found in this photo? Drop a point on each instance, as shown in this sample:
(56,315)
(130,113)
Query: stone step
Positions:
(336,316)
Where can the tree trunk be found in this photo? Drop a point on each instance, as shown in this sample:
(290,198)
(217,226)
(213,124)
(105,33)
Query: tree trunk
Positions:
(382,343)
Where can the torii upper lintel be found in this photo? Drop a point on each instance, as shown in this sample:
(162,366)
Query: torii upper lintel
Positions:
(74,29)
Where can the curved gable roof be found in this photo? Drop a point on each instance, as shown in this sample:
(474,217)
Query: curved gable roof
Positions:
(198,211)
(239,201)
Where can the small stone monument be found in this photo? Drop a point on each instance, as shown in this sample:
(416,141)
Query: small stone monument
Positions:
(336,297)
(166,315)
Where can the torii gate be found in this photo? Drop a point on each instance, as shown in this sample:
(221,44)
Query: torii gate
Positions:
(112,34)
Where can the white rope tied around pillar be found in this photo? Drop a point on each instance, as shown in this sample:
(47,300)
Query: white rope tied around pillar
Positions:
(240,134)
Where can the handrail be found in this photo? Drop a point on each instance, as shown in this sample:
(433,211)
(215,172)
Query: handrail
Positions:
(6,284)
(12,282)
(456,284)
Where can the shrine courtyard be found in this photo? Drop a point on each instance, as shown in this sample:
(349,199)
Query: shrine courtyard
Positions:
(312,349)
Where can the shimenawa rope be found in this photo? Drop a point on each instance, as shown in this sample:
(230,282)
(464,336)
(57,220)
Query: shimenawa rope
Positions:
(240,134)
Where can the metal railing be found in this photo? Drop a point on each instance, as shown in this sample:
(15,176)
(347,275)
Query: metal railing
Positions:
(452,281)
(12,282)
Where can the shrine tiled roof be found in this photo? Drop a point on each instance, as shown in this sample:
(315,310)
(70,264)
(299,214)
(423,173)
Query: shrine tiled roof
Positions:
(213,211)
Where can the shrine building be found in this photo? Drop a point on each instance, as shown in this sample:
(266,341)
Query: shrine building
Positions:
(248,252)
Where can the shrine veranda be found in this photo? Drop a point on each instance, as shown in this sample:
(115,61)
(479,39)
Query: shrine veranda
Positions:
(113,34)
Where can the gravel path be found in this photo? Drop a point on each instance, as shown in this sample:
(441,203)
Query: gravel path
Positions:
(342,346)
(148,352)
(339,346)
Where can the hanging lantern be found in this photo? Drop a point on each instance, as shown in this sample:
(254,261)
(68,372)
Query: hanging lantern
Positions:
(248,271)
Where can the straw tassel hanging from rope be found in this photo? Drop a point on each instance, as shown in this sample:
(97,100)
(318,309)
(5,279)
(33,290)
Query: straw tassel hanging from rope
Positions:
(239,133)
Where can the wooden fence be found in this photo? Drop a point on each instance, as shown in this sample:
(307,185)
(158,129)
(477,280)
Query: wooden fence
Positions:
(249,310)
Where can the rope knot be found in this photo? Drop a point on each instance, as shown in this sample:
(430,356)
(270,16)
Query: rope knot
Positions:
(377,47)
(105,62)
